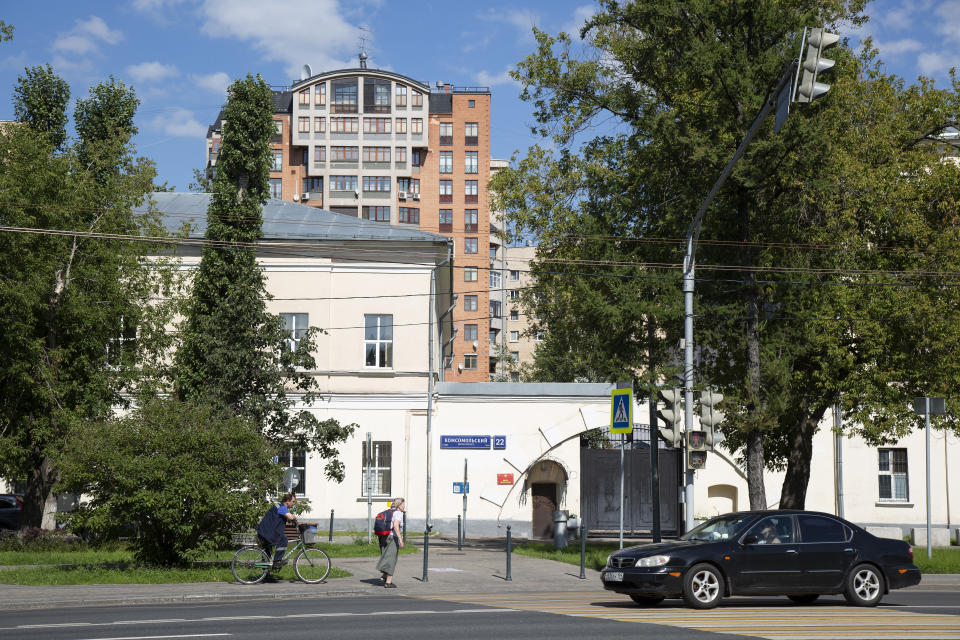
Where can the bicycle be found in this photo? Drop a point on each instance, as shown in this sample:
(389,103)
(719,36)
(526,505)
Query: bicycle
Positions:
(252,563)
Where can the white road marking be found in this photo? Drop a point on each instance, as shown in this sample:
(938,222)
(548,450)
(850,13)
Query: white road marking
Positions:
(191,635)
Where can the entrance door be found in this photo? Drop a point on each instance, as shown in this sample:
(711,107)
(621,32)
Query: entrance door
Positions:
(544,504)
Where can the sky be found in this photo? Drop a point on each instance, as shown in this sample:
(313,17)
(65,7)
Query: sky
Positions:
(180,55)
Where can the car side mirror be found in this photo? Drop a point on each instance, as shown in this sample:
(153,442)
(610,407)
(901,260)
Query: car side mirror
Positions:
(750,540)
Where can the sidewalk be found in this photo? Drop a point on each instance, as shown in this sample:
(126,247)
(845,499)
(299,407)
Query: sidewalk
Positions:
(480,568)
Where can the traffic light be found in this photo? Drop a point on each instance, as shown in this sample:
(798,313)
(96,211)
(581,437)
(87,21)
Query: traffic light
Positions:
(672,415)
(696,449)
(696,459)
(710,418)
(814,64)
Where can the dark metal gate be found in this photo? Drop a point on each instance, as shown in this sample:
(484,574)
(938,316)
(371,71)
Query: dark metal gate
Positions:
(600,490)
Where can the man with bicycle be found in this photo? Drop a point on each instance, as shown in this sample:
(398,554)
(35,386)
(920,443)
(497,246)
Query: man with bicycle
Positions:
(270,531)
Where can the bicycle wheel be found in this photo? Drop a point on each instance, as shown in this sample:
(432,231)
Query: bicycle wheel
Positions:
(312,565)
(250,565)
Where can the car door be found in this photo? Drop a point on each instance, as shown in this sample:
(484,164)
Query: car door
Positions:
(826,551)
(768,557)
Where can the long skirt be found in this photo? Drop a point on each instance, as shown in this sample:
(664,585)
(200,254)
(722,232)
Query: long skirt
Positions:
(388,555)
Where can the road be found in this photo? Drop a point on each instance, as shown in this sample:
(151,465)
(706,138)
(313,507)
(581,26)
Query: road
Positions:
(914,613)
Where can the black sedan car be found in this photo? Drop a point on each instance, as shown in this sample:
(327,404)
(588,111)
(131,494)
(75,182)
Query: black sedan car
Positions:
(799,554)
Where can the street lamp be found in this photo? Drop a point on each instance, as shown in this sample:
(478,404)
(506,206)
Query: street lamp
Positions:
(926,406)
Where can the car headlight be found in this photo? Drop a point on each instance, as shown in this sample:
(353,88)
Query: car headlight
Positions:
(608,559)
(653,561)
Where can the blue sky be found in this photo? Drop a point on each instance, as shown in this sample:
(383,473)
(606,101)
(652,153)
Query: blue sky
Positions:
(181,54)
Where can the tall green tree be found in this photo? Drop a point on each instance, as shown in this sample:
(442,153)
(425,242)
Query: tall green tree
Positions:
(40,100)
(233,352)
(678,85)
(79,311)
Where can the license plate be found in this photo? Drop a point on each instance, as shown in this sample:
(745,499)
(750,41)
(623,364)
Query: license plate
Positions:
(613,576)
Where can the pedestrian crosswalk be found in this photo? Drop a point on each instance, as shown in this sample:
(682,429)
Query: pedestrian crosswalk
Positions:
(774,622)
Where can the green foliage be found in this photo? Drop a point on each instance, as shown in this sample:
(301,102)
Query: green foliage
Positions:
(182,476)
(40,100)
(233,352)
(6,31)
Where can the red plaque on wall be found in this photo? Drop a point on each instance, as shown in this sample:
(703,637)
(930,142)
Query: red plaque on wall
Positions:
(504,478)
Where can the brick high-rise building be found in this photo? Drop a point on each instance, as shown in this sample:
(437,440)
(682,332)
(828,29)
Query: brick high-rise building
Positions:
(375,144)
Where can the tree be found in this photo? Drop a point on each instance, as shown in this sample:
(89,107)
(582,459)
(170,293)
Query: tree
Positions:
(80,319)
(185,476)
(40,100)
(233,352)
(681,83)
(6,31)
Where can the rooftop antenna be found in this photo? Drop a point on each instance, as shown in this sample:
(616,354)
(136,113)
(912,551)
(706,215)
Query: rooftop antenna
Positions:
(364,36)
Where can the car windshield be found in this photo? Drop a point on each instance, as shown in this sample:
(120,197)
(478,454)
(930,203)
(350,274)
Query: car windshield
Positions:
(722,528)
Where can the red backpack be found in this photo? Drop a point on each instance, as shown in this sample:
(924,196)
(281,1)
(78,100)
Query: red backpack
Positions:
(383,523)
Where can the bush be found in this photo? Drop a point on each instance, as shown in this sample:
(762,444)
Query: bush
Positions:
(37,539)
(177,477)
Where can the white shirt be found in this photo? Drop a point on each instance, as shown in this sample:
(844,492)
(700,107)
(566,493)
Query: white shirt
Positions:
(397,520)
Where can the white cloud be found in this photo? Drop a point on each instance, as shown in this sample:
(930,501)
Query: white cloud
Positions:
(86,36)
(580,15)
(935,64)
(490,80)
(897,47)
(520,19)
(179,123)
(306,31)
(949,14)
(155,5)
(215,82)
(147,72)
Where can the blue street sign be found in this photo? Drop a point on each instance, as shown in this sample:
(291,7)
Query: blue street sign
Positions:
(499,442)
(461,487)
(621,411)
(464,442)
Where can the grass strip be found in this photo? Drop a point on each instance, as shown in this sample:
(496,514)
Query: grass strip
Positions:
(132,574)
(944,560)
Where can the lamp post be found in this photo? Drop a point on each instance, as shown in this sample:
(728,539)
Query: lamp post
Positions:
(925,406)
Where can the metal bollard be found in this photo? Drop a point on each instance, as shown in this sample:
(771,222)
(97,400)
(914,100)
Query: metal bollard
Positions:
(509,577)
(583,551)
(459,533)
(330,536)
(426,553)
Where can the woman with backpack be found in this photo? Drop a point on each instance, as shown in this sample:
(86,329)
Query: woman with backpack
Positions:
(389,528)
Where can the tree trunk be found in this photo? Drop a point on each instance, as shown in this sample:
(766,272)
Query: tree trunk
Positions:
(793,494)
(39,503)
(755,456)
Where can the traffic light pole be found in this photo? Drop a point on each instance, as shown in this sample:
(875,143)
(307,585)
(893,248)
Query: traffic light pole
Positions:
(689,263)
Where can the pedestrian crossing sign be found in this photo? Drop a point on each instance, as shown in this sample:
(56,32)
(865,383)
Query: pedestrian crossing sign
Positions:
(621,411)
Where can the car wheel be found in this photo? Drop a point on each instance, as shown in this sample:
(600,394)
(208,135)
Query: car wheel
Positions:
(864,586)
(647,601)
(702,587)
(805,598)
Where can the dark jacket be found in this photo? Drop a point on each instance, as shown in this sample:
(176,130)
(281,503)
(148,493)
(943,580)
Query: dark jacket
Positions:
(271,527)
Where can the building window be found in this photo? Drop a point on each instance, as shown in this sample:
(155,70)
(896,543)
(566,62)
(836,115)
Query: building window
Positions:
(470,191)
(494,279)
(514,314)
(446,162)
(296,458)
(494,333)
(469,332)
(446,133)
(495,307)
(470,221)
(401,154)
(377,214)
(376,154)
(893,475)
(469,303)
(320,124)
(344,154)
(470,361)
(376,95)
(278,133)
(409,185)
(376,183)
(472,162)
(538,336)
(401,125)
(276,188)
(471,104)
(416,125)
(343,183)
(321,94)
(514,294)
(378,340)
(376,125)
(409,215)
(470,245)
(295,326)
(313,185)
(514,274)
(416,100)
(418,156)
(514,336)
(303,124)
(378,465)
(344,125)
(471,134)
(345,96)
(122,347)
(446,191)
(276,159)
(515,356)
(319,154)
(446,219)
(514,376)
(401,96)
(469,274)
(305,98)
